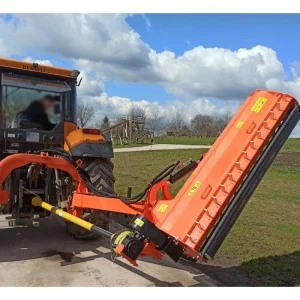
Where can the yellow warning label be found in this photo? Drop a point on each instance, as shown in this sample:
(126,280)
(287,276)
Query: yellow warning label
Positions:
(139,222)
(239,124)
(194,188)
(162,208)
(258,105)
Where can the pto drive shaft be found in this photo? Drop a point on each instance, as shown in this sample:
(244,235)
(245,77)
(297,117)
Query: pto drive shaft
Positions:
(124,242)
(37,201)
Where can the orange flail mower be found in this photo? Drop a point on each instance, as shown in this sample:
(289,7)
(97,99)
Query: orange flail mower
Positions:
(194,223)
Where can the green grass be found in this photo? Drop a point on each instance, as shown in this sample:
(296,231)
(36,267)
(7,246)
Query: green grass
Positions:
(268,232)
(136,169)
(265,241)
(184,140)
(291,145)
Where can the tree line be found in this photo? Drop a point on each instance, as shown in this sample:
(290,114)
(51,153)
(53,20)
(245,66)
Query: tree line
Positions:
(201,125)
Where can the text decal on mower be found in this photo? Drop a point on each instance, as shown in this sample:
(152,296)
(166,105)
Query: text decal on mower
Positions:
(162,208)
(194,188)
(139,222)
(239,124)
(258,105)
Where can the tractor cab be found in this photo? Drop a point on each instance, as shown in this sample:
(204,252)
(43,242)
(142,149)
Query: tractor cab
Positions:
(23,83)
(25,92)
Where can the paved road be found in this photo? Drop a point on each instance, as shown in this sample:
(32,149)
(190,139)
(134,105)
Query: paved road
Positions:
(161,147)
(47,256)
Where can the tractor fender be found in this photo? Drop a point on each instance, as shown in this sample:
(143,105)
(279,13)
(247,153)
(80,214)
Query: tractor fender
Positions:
(85,142)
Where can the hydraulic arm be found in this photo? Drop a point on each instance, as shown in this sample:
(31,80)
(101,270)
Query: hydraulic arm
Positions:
(196,221)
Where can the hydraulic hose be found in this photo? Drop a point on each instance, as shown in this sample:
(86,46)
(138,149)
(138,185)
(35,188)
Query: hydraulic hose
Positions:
(86,178)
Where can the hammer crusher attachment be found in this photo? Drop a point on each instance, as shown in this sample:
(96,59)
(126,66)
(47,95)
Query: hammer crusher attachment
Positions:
(196,221)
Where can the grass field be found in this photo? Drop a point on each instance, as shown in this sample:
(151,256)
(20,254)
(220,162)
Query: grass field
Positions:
(292,145)
(184,140)
(265,242)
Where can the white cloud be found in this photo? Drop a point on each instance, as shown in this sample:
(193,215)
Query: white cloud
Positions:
(295,69)
(296,131)
(89,87)
(147,22)
(115,107)
(290,87)
(105,47)
(96,37)
(217,72)
(45,62)
(3,49)
(206,72)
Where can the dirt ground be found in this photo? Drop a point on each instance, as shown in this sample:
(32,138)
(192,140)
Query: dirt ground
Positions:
(161,147)
(287,160)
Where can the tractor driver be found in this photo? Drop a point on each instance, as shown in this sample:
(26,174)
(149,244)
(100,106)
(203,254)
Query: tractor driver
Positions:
(38,110)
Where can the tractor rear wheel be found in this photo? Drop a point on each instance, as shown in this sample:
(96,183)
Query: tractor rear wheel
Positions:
(100,171)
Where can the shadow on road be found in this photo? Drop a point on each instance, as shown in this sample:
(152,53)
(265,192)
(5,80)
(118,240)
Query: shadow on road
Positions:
(277,270)
(51,239)
(26,242)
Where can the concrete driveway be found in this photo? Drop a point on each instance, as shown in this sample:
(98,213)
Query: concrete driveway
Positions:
(161,147)
(48,256)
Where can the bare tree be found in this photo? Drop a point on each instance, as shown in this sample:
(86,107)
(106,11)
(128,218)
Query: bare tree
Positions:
(136,111)
(223,119)
(210,126)
(155,122)
(85,112)
(177,124)
(202,126)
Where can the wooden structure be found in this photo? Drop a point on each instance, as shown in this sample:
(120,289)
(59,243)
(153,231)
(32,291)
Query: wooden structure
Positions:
(129,129)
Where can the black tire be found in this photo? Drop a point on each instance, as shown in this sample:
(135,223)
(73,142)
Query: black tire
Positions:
(100,171)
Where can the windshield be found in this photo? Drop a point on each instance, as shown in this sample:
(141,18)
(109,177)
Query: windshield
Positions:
(19,92)
(16,100)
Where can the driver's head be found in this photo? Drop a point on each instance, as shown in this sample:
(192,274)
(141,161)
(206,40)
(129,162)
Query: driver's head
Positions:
(48,101)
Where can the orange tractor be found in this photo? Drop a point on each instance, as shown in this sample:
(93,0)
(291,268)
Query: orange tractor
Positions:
(22,83)
(194,223)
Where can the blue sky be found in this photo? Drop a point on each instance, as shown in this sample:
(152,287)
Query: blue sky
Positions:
(181,32)
(170,62)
